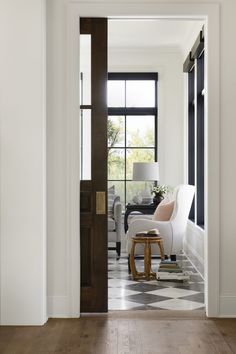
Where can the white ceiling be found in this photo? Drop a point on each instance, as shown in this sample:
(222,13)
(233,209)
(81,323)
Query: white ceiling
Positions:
(153,33)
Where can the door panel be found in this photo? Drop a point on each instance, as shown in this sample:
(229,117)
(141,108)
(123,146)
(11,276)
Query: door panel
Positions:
(94,220)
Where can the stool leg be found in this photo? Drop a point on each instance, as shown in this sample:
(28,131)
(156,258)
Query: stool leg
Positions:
(147,254)
(132,262)
(162,252)
(150,257)
(150,261)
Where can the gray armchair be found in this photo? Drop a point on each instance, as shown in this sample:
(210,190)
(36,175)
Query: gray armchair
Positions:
(114,225)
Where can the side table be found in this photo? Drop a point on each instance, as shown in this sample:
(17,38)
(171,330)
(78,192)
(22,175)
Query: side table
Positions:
(147,241)
(142,208)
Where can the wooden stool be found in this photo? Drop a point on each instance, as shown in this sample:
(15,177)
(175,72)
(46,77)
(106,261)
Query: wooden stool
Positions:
(147,241)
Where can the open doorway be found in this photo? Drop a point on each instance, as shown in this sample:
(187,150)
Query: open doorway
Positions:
(157,50)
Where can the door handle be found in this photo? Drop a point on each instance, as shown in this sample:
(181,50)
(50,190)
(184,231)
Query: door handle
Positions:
(100,203)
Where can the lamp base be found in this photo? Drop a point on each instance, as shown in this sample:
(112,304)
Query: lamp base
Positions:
(157,199)
(147,197)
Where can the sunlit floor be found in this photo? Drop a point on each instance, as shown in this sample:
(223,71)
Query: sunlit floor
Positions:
(126,294)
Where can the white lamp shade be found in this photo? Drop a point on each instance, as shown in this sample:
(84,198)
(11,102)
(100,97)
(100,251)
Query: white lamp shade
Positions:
(145,171)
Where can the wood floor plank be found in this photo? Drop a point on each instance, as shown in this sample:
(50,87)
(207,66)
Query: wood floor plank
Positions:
(227,327)
(130,332)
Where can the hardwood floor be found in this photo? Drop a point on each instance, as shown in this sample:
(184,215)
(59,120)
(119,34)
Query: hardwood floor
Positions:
(123,332)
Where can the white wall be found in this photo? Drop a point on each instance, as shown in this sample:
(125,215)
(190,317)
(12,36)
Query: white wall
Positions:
(22,142)
(191,38)
(168,64)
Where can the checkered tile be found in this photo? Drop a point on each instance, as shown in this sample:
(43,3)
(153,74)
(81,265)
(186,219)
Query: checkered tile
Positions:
(125,294)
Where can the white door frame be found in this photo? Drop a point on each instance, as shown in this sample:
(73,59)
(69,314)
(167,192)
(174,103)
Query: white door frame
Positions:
(211,14)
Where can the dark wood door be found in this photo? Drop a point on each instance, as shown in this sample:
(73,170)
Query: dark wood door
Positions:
(93,212)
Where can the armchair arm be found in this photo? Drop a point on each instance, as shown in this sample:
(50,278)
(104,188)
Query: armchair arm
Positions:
(118,219)
(117,211)
(140,216)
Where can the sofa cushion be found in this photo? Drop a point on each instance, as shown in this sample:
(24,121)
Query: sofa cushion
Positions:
(111,224)
(164,211)
(110,200)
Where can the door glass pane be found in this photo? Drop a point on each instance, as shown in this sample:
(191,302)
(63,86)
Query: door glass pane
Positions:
(140,131)
(85,69)
(137,189)
(119,190)
(137,155)
(85,139)
(140,93)
(116,93)
(116,131)
(116,164)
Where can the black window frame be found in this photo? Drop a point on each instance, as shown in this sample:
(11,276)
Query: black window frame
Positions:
(194,66)
(135,111)
(191,136)
(200,141)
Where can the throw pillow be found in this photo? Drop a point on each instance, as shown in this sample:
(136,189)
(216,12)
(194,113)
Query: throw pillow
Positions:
(164,211)
(110,201)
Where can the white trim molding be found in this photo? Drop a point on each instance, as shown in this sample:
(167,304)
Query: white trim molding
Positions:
(58,307)
(194,246)
(185,11)
(227,303)
(73,164)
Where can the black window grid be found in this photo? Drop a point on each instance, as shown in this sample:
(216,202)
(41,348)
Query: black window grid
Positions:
(135,111)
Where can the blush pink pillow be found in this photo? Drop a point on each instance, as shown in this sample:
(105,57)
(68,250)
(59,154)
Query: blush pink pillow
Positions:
(164,211)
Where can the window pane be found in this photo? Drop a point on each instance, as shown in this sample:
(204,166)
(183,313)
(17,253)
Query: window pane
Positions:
(137,155)
(85,139)
(134,188)
(85,69)
(140,93)
(140,131)
(116,131)
(119,190)
(116,93)
(116,164)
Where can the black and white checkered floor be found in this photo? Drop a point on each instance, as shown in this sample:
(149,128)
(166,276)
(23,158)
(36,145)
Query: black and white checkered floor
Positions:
(126,294)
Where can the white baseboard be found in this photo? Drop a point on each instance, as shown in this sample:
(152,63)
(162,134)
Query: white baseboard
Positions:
(194,246)
(58,307)
(195,258)
(228,306)
(187,246)
(21,322)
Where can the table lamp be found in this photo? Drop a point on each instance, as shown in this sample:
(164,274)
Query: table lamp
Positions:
(146,171)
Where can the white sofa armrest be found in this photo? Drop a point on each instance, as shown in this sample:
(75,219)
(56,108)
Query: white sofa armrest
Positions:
(140,216)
